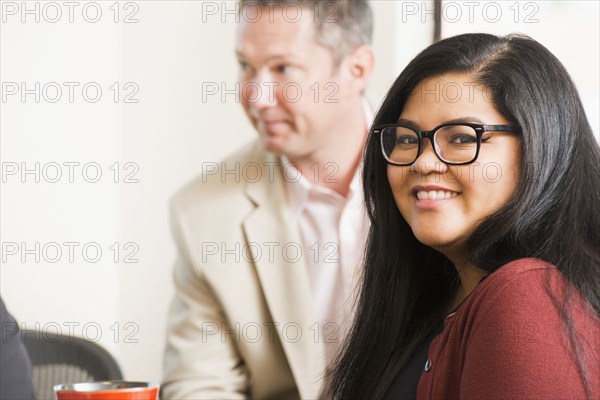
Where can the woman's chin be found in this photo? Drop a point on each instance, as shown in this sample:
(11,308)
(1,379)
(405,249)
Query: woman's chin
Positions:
(439,241)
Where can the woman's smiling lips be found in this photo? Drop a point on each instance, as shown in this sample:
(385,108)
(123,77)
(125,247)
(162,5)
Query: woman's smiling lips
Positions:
(431,196)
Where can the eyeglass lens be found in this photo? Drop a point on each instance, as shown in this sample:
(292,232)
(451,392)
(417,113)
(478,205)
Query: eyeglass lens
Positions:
(454,144)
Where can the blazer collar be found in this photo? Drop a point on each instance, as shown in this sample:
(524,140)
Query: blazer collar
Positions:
(283,273)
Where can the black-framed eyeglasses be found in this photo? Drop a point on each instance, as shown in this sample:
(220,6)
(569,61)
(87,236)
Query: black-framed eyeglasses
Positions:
(453,143)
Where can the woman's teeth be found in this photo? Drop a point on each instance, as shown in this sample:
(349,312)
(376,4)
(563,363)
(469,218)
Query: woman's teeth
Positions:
(435,195)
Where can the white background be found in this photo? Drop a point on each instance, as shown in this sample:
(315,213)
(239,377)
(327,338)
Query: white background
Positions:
(161,141)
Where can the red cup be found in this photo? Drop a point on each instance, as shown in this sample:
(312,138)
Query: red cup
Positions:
(109,390)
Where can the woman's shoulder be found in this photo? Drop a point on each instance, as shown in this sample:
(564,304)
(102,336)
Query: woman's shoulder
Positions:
(523,269)
(529,292)
(514,328)
(526,279)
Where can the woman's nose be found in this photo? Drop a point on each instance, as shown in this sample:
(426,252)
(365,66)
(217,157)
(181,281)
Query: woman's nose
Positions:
(427,161)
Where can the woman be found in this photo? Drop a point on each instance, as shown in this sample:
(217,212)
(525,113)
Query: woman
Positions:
(482,269)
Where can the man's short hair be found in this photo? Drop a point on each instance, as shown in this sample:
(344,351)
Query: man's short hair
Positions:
(341,25)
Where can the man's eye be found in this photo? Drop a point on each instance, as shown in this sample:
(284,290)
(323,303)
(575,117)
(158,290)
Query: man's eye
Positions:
(282,69)
(243,65)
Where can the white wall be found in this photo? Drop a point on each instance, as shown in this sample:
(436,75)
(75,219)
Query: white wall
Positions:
(570,29)
(74,289)
(162,140)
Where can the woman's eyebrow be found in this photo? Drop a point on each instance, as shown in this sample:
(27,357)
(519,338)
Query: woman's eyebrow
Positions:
(465,119)
(460,120)
(408,122)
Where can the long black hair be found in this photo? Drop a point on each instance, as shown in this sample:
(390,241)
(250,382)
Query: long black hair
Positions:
(554,214)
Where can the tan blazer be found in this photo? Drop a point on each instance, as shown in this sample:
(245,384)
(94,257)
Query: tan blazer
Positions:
(241,324)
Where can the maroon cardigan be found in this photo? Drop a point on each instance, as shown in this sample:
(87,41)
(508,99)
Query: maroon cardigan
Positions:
(507,341)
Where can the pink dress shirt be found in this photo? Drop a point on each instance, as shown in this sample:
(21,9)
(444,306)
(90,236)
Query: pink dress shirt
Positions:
(333,229)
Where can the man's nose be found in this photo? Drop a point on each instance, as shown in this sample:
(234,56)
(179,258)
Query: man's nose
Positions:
(261,92)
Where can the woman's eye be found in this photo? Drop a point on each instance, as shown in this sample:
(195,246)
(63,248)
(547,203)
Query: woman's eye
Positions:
(463,139)
(282,69)
(406,140)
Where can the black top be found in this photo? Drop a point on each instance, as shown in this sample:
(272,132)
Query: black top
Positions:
(15,367)
(407,381)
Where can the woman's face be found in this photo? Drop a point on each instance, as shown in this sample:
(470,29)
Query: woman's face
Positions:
(444,204)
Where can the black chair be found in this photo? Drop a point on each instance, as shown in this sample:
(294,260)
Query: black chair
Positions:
(61,359)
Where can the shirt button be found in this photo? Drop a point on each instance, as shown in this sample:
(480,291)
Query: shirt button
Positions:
(427,365)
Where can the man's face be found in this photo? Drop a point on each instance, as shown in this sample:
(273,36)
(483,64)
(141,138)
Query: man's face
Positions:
(290,89)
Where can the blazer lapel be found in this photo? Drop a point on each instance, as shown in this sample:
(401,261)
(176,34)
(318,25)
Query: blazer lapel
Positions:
(284,278)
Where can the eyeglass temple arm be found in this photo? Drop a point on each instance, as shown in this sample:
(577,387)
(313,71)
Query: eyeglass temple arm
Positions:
(504,128)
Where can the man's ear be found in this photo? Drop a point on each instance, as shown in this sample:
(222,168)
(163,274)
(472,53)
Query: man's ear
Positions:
(359,64)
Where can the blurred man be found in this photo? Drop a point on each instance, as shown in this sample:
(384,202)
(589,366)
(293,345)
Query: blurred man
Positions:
(269,243)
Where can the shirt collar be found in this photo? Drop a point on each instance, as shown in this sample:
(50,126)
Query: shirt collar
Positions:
(297,187)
